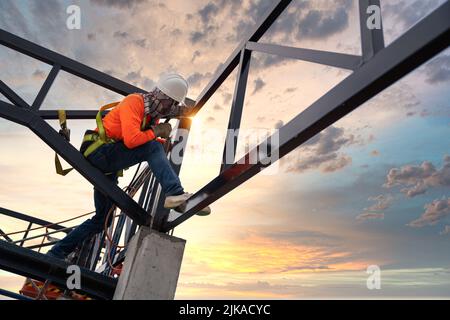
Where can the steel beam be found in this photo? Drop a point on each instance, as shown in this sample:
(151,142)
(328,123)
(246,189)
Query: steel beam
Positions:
(233,60)
(43,130)
(46,87)
(333,59)
(372,40)
(69,65)
(3,234)
(38,266)
(161,213)
(234,122)
(70,114)
(423,41)
(12,96)
(31,219)
(14,295)
(83,114)
(25,234)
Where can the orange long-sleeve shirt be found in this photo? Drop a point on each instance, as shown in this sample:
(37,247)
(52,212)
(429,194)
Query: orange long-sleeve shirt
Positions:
(124,122)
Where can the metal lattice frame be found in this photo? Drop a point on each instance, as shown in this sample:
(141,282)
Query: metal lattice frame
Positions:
(377,68)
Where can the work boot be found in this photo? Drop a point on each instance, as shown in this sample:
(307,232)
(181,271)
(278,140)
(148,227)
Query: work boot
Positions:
(172,202)
(178,203)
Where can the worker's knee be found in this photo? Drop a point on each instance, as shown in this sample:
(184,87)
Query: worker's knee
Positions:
(97,227)
(154,146)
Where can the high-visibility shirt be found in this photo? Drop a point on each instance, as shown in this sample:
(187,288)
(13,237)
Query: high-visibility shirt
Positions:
(123,123)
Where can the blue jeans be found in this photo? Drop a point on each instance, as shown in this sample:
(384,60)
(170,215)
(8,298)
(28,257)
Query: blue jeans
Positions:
(112,158)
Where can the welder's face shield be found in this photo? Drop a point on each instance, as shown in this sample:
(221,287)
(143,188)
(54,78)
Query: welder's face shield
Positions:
(162,106)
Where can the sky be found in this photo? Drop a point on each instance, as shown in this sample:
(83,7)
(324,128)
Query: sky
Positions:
(372,189)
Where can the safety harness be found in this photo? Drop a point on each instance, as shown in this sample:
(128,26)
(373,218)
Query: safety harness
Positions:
(92,139)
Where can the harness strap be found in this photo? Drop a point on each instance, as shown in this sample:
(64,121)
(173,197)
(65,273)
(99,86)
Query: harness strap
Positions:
(65,132)
(97,139)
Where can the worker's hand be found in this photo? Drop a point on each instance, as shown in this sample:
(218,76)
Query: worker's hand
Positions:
(162,130)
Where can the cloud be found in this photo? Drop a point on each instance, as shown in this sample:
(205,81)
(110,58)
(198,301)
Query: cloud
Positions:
(382,202)
(198,36)
(121,34)
(208,12)
(370,215)
(217,107)
(227,97)
(434,212)
(210,17)
(121,4)
(329,140)
(438,70)
(409,12)
(290,90)
(418,179)
(317,24)
(321,152)
(10,14)
(445,231)
(39,74)
(197,78)
(279,124)
(258,85)
(137,78)
(195,55)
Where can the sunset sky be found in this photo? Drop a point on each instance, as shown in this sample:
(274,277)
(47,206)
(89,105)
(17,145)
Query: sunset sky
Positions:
(373,189)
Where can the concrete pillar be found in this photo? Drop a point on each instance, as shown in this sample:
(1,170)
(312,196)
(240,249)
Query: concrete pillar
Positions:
(151,268)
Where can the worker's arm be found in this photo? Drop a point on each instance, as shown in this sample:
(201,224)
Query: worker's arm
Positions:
(131,115)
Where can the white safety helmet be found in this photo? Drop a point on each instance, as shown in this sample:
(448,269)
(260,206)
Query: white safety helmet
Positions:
(174,86)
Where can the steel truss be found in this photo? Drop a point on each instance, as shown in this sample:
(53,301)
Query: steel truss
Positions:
(376,69)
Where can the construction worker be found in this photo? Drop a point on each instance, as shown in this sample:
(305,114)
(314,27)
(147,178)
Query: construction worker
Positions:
(137,136)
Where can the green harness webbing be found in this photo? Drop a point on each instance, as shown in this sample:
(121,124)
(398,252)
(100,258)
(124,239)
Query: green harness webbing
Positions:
(98,138)
(65,132)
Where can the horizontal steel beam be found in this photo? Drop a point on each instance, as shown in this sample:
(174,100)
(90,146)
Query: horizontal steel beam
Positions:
(14,295)
(419,44)
(334,59)
(69,65)
(41,245)
(41,267)
(70,114)
(233,60)
(24,217)
(64,63)
(43,130)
